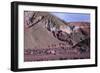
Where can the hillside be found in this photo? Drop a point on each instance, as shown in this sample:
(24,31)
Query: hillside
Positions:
(47,37)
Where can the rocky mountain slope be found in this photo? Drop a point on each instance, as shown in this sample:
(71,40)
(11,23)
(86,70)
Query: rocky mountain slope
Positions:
(47,37)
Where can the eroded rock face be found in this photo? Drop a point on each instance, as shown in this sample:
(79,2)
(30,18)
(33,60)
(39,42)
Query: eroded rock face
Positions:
(47,37)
